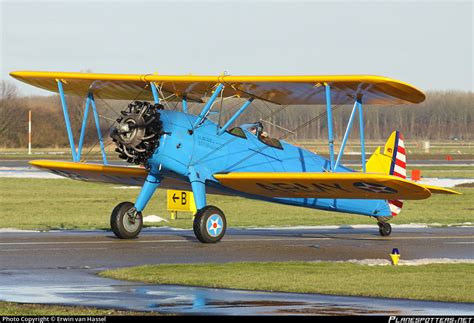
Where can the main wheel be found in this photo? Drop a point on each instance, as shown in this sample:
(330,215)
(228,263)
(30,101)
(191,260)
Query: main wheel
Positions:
(385,229)
(125,221)
(209,224)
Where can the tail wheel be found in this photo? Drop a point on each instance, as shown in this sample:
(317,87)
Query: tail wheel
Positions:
(385,229)
(209,224)
(126,222)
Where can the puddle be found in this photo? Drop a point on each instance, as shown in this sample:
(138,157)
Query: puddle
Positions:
(82,287)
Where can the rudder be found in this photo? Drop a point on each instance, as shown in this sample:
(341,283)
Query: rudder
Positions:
(392,161)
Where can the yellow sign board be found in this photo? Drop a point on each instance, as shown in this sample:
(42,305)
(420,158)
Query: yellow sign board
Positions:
(180,201)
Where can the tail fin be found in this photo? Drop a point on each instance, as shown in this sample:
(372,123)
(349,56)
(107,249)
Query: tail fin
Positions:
(392,161)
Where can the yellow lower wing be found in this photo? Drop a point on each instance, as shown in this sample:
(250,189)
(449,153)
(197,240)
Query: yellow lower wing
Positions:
(123,175)
(94,172)
(326,185)
(316,185)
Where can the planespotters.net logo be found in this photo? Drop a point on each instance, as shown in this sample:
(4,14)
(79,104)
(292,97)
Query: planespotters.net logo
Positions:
(419,319)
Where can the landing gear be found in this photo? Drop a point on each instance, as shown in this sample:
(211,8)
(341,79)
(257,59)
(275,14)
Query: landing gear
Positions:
(126,222)
(209,224)
(385,229)
(126,219)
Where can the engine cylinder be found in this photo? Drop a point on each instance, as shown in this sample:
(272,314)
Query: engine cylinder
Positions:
(137,133)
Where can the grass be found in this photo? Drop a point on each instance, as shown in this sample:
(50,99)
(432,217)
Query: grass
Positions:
(459,150)
(440,282)
(65,204)
(55,153)
(444,171)
(9,308)
(465,185)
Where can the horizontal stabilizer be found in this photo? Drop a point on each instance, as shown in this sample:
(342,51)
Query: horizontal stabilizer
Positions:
(439,190)
(324,185)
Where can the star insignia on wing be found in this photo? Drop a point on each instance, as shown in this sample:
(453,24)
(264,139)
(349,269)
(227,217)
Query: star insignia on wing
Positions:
(374,188)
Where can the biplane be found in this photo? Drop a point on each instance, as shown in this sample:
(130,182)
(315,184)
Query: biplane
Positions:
(177,149)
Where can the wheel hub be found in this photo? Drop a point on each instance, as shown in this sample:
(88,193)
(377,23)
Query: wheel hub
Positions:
(130,220)
(214,225)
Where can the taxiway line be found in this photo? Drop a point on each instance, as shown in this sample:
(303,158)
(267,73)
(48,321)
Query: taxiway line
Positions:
(226,240)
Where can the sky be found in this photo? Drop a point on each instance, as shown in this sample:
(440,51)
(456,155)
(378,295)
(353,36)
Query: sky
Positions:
(426,43)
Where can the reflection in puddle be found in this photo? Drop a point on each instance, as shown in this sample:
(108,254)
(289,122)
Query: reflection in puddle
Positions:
(82,287)
(334,309)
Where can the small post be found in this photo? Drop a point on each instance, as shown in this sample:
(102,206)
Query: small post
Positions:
(29,132)
(426,146)
(395,256)
(415,175)
(174,215)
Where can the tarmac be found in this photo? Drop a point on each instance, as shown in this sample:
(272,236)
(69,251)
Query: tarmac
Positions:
(60,267)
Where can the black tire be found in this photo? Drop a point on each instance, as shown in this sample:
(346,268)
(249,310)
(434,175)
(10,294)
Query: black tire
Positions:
(206,220)
(121,224)
(385,229)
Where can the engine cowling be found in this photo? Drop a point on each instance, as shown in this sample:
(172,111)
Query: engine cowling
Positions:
(138,130)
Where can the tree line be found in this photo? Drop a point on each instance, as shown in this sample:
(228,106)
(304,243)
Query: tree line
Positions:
(444,115)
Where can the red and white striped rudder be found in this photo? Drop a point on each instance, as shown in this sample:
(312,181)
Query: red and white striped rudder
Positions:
(398,168)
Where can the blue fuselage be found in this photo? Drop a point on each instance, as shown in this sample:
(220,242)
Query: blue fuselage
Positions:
(209,153)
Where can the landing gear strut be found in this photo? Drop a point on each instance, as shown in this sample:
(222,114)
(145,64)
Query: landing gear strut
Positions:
(209,224)
(126,221)
(385,229)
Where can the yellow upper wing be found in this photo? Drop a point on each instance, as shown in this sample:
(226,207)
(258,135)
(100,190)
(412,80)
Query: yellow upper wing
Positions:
(327,185)
(286,90)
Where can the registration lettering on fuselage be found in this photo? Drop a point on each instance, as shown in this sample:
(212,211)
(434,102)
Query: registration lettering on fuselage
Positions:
(208,142)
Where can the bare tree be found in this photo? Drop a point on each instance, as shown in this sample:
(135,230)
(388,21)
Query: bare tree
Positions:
(444,115)
(8,111)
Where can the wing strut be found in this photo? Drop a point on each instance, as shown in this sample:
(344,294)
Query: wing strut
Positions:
(185,104)
(346,135)
(208,105)
(357,106)
(90,97)
(330,132)
(67,121)
(90,101)
(235,116)
(156,97)
(362,134)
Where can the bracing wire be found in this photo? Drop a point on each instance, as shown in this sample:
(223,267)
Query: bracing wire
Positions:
(235,138)
(86,155)
(319,116)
